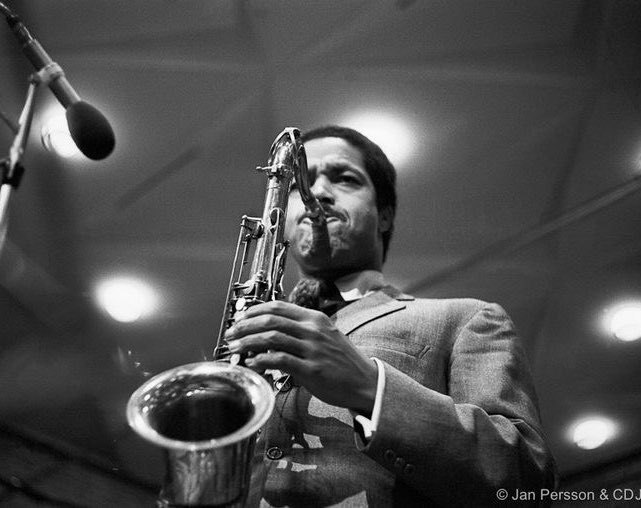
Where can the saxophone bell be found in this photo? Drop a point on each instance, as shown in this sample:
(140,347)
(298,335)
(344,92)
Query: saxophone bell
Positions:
(206,416)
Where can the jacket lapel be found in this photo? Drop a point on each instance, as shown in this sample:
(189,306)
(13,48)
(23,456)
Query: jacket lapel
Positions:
(375,305)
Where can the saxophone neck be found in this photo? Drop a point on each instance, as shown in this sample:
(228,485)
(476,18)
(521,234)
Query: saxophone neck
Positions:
(297,159)
(289,149)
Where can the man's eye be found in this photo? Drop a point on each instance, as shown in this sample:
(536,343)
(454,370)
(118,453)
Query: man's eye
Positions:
(348,179)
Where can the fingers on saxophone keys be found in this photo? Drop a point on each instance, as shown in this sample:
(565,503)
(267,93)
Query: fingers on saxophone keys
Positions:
(268,341)
(222,353)
(275,360)
(235,347)
(235,330)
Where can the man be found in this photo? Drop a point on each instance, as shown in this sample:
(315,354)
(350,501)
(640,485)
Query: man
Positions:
(392,401)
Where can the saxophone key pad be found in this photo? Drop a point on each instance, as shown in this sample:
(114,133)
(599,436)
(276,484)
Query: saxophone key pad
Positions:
(241,303)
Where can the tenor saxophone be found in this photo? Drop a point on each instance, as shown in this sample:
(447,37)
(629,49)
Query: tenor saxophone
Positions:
(207,416)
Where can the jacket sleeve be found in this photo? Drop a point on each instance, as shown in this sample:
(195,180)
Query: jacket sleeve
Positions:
(482,435)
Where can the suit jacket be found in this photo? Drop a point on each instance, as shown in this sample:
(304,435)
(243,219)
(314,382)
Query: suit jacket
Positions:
(459,416)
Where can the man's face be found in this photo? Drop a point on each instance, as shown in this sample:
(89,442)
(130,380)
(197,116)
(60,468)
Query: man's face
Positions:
(339,181)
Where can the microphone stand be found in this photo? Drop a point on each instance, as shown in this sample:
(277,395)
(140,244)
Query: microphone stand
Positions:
(11,168)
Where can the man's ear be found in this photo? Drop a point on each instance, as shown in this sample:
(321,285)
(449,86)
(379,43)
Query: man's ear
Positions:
(385,219)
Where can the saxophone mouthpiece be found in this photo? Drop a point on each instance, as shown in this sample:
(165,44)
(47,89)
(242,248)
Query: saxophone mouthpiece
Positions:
(315,211)
(320,236)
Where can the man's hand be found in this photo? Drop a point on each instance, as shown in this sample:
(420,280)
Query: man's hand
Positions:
(305,344)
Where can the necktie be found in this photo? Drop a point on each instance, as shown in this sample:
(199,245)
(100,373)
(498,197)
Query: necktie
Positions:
(330,299)
(319,295)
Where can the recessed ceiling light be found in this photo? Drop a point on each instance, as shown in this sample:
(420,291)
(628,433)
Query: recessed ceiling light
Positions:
(592,433)
(624,322)
(56,137)
(126,299)
(388,131)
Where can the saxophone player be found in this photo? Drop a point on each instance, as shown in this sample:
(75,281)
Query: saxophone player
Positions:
(392,400)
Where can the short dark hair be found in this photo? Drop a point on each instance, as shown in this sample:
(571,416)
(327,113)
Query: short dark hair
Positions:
(378,167)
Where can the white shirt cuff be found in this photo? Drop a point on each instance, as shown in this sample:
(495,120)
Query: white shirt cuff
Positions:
(365,428)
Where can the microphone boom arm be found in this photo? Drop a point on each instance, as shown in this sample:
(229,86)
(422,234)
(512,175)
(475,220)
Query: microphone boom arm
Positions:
(11,168)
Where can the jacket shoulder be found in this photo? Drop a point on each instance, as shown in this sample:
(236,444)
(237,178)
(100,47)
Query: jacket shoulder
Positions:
(461,308)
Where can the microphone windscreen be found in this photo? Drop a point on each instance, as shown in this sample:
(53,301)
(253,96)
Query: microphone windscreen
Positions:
(90,130)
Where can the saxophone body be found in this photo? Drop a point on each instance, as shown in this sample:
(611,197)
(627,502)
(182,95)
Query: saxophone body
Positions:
(207,416)
(287,162)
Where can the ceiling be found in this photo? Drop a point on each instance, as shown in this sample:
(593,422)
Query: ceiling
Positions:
(519,185)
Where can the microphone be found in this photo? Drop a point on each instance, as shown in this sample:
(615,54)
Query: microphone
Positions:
(89,128)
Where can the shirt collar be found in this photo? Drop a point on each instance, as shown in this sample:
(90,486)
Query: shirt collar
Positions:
(359,284)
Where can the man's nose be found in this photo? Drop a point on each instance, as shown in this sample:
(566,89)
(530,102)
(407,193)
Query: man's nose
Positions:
(322,189)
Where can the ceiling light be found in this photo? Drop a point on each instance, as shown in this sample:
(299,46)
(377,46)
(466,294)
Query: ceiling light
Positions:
(56,137)
(126,299)
(624,322)
(388,131)
(592,433)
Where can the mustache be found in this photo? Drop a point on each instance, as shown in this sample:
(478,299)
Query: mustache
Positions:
(329,212)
